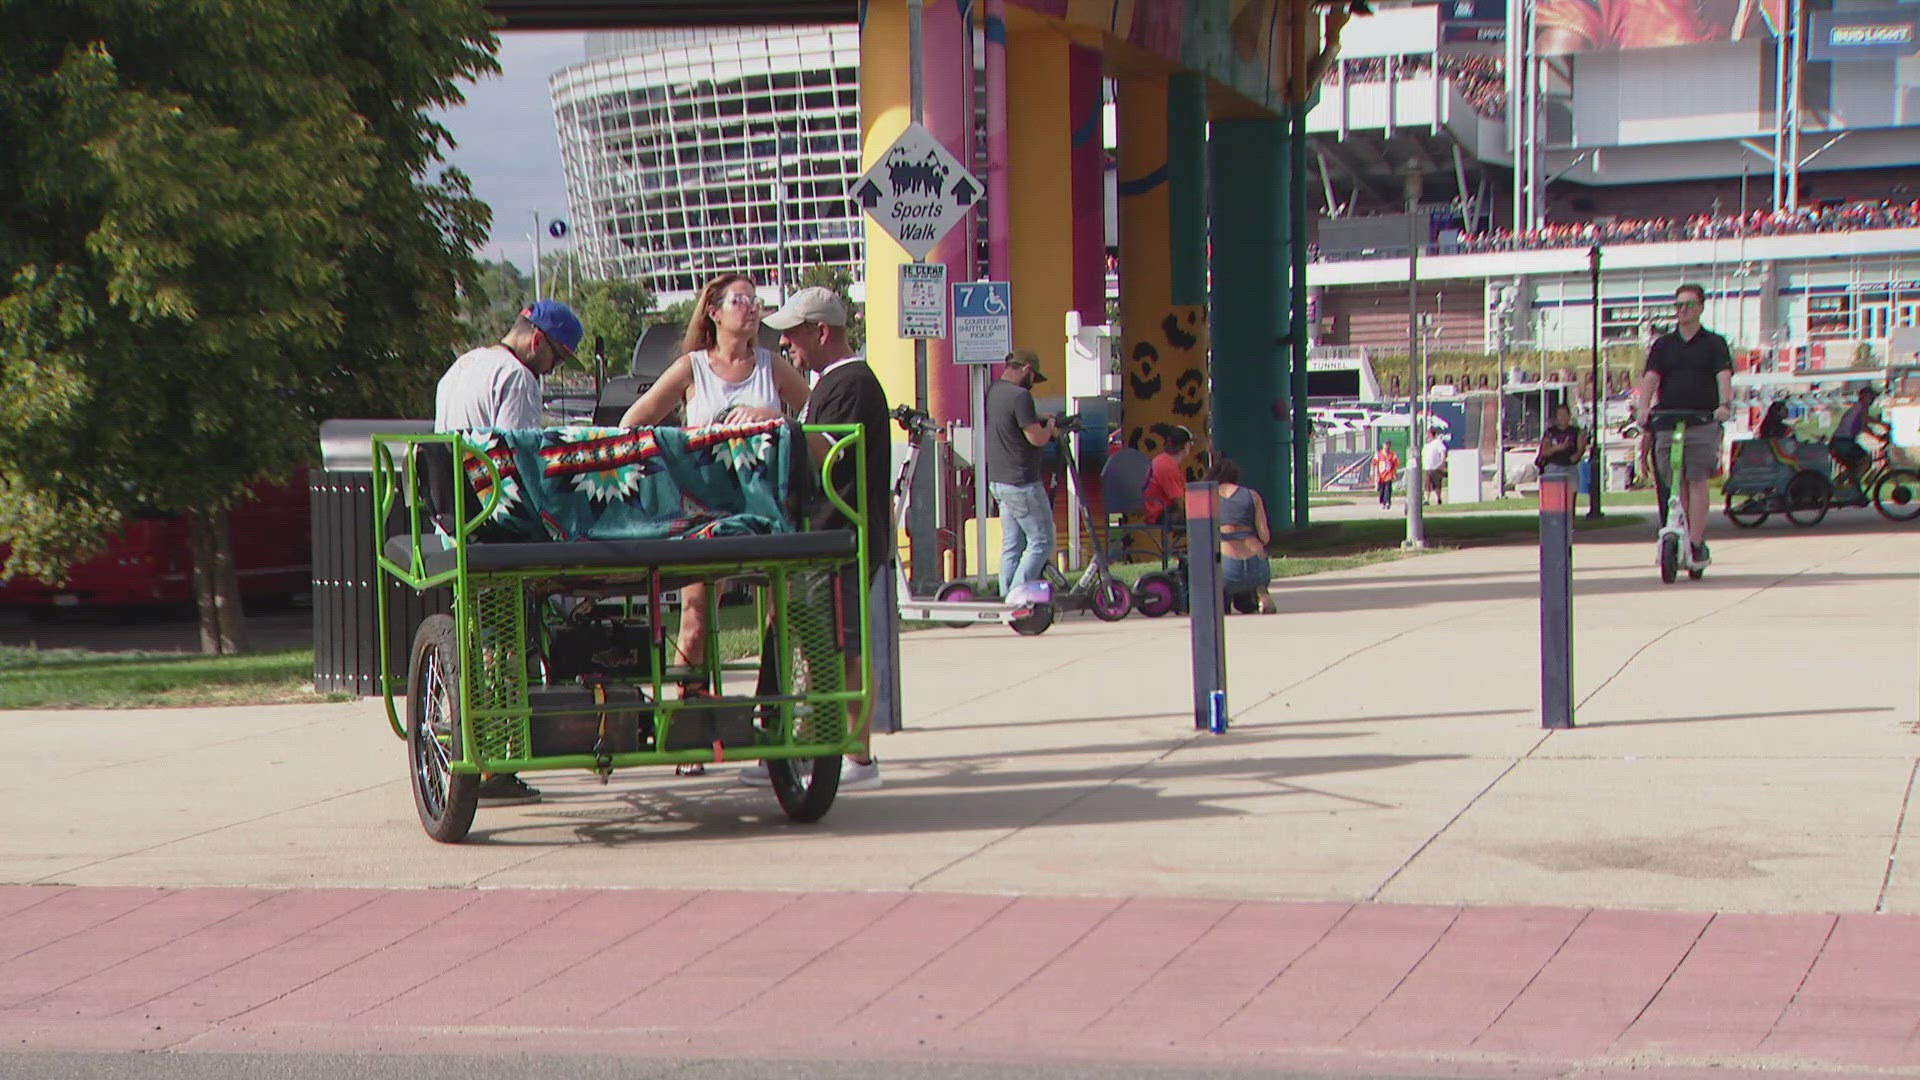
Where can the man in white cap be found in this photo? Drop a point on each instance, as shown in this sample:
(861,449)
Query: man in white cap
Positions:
(813,333)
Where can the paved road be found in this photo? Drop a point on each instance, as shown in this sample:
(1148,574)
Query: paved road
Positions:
(1386,867)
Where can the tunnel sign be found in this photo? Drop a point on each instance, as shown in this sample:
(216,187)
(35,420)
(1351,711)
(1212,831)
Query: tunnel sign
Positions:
(916,190)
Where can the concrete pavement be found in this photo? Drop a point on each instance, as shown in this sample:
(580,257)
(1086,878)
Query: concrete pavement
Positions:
(1386,862)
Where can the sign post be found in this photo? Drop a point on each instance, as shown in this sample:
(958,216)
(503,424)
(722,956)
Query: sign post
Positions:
(982,335)
(916,191)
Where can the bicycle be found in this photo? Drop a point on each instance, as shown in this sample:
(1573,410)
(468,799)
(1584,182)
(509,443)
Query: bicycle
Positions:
(1892,490)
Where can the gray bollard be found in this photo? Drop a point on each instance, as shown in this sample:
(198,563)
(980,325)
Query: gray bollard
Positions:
(1556,597)
(1207,609)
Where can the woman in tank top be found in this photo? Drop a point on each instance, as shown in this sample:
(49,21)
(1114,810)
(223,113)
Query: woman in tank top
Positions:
(1245,571)
(722,375)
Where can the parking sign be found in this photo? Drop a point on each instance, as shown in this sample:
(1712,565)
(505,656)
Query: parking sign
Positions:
(982,322)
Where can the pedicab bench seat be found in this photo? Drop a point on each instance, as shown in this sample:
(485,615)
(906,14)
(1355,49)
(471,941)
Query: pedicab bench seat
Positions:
(837,544)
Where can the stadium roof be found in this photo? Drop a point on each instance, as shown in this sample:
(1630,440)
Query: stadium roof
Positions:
(638,14)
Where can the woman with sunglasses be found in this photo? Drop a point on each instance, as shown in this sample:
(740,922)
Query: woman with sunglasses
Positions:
(721,376)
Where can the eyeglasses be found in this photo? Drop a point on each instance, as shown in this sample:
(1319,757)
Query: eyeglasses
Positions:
(743,300)
(1686,303)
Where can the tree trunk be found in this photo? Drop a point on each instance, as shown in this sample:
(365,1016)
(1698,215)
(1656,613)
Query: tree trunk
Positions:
(216,584)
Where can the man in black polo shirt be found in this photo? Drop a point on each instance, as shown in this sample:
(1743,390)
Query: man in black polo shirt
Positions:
(1690,368)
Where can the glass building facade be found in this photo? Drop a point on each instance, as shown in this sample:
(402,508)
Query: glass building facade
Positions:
(692,152)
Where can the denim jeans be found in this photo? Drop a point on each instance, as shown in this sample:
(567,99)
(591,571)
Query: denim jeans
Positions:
(1026,532)
(1245,575)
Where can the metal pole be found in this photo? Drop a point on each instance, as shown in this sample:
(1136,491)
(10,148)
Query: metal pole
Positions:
(1207,622)
(977,395)
(1598,461)
(1416,482)
(536,254)
(779,213)
(923,522)
(1556,597)
(1500,406)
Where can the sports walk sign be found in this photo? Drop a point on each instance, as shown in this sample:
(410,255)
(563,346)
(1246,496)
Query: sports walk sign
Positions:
(916,191)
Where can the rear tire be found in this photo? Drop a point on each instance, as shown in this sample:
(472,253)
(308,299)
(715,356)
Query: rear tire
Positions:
(1897,495)
(1669,558)
(1112,600)
(957,592)
(1747,511)
(805,787)
(1808,496)
(1035,622)
(444,799)
(1155,594)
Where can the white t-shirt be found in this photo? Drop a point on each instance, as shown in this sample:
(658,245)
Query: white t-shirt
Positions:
(1433,456)
(487,388)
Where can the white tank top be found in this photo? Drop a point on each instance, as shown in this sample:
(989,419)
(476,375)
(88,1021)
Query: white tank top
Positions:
(713,395)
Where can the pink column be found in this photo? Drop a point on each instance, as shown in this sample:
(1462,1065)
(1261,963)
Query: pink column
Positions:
(999,228)
(947,73)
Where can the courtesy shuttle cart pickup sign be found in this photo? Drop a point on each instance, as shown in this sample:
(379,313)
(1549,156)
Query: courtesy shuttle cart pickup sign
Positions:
(916,191)
(982,322)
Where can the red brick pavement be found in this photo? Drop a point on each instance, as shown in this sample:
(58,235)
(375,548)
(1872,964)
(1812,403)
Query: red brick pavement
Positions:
(1374,987)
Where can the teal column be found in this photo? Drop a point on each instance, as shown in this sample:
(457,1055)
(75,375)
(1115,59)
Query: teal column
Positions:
(1187,188)
(1296,202)
(1251,306)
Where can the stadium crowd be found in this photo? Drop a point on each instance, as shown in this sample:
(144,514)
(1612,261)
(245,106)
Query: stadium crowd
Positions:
(1828,218)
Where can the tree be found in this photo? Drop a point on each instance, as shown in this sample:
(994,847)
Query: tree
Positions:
(497,293)
(616,312)
(840,282)
(220,224)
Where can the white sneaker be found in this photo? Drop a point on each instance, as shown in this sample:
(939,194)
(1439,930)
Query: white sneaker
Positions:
(755,775)
(857,777)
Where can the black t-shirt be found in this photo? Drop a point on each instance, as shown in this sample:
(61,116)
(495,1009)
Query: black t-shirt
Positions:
(1011,458)
(1689,370)
(851,394)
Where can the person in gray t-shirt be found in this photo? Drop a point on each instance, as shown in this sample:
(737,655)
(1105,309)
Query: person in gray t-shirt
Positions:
(1015,437)
(498,386)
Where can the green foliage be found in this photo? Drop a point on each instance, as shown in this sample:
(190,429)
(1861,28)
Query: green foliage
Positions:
(616,312)
(221,221)
(497,292)
(841,282)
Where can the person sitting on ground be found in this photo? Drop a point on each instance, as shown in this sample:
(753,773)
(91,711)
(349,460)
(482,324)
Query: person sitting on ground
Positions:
(1563,443)
(1245,571)
(1775,424)
(1167,476)
(1845,440)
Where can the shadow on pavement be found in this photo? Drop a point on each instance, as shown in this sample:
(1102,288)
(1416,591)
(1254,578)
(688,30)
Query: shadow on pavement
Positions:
(1852,711)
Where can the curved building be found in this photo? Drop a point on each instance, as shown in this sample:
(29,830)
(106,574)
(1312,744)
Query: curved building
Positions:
(690,152)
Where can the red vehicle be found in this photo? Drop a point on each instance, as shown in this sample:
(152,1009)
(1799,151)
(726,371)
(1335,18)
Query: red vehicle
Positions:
(151,562)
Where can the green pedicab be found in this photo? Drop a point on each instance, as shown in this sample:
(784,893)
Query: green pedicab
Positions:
(1770,476)
(540,534)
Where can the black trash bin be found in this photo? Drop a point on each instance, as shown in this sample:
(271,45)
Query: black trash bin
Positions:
(346,622)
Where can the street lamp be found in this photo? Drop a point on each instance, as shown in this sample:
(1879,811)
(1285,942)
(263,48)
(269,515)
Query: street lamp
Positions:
(1416,482)
(1597,461)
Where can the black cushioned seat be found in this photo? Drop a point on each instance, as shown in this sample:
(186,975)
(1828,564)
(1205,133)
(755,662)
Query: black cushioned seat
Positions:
(612,554)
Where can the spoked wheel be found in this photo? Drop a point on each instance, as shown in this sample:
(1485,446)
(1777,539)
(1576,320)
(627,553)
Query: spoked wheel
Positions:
(445,800)
(1112,600)
(1669,558)
(805,786)
(1897,495)
(1747,511)
(1154,594)
(1034,622)
(958,592)
(1808,496)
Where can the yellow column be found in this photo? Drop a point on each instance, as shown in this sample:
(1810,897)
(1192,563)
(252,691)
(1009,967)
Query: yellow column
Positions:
(1040,210)
(885,108)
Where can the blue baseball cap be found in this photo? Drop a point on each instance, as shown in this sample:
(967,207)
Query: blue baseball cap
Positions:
(557,321)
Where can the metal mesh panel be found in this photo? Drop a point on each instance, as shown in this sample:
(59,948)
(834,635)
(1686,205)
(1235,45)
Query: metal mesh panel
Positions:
(496,657)
(817,667)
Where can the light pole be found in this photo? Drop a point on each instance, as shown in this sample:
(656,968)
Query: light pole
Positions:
(1597,462)
(1416,483)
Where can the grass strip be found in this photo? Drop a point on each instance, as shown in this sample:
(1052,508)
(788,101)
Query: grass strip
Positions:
(33,678)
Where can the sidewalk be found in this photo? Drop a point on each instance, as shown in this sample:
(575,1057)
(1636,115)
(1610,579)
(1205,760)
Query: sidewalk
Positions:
(1386,865)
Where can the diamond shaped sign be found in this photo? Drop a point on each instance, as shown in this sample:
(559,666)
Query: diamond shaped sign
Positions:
(916,191)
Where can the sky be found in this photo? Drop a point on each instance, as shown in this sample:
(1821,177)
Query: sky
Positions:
(507,143)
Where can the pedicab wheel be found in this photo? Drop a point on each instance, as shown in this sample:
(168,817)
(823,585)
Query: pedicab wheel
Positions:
(1154,594)
(805,787)
(1034,622)
(1897,495)
(1669,558)
(1112,600)
(445,799)
(957,592)
(1747,511)
(1807,496)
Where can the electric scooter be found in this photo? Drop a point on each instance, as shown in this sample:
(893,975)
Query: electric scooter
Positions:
(1028,610)
(1673,550)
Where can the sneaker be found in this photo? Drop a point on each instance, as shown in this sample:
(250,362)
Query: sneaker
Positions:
(857,777)
(755,775)
(507,790)
(1701,556)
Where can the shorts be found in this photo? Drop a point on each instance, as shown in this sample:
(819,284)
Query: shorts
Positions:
(1699,453)
(1436,479)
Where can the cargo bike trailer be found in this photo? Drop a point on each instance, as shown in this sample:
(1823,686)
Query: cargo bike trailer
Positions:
(528,674)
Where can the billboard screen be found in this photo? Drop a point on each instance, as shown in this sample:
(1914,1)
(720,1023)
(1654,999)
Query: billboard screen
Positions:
(1888,34)
(1473,20)
(1568,26)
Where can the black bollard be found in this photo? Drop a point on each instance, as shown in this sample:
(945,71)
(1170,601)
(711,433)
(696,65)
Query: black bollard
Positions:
(1556,597)
(1207,615)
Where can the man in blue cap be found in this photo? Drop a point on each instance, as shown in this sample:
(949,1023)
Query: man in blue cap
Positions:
(498,386)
